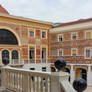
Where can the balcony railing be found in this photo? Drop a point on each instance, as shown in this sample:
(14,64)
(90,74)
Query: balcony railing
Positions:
(20,80)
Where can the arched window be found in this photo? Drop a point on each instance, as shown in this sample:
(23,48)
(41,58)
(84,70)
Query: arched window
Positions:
(15,54)
(5,54)
(7,37)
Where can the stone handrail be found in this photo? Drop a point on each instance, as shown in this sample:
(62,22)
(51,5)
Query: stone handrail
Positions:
(21,80)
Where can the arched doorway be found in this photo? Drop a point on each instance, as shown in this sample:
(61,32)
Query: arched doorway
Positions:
(15,56)
(81,73)
(5,54)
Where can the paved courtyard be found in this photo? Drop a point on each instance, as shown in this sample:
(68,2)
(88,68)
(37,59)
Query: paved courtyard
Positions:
(89,89)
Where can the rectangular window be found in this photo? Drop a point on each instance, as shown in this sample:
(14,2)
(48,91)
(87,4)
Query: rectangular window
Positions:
(32,54)
(60,52)
(43,34)
(74,52)
(43,54)
(31,33)
(74,36)
(88,53)
(60,38)
(88,35)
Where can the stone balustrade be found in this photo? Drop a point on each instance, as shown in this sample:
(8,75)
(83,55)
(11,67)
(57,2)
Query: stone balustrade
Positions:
(21,80)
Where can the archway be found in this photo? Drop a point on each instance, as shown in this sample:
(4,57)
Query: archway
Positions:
(81,73)
(7,37)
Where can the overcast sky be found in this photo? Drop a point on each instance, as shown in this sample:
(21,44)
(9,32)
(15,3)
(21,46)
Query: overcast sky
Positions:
(50,10)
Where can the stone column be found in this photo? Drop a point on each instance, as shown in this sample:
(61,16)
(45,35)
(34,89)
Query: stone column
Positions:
(72,74)
(89,76)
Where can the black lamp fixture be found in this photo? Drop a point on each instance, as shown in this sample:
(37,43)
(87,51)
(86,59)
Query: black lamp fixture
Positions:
(80,85)
(60,64)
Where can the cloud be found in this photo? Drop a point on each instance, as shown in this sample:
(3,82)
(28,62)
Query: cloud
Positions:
(50,10)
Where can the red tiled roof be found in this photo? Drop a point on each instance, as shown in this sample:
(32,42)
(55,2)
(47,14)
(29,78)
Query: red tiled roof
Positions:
(74,22)
(2,10)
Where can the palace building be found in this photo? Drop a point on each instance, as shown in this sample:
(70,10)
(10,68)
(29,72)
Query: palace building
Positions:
(73,42)
(22,39)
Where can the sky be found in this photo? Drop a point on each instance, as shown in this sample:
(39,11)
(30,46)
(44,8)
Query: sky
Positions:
(59,11)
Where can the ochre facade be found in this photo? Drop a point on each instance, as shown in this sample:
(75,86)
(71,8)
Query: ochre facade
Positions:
(73,42)
(67,44)
(21,27)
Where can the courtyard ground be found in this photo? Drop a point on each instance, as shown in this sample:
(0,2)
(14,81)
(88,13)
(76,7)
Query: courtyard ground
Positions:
(89,89)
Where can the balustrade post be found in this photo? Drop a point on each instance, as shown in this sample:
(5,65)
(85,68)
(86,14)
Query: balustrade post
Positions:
(60,83)
(3,78)
(72,74)
(89,76)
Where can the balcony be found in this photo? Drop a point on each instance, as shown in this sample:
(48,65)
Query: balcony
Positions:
(21,80)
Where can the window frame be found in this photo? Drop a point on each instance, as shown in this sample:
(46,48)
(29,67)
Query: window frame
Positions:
(76,51)
(62,37)
(31,30)
(72,36)
(85,52)
(86,32)
(45,32)
(62,52)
